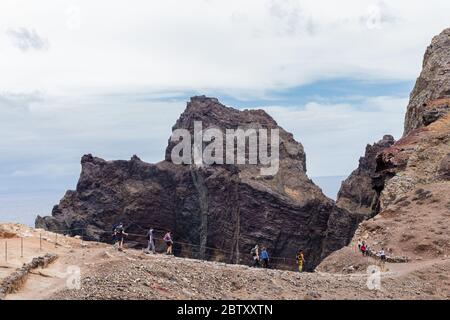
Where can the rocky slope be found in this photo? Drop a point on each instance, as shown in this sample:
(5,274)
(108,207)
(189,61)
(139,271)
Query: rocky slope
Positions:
(216,212)
(133,275)
(356,193)
(412,177)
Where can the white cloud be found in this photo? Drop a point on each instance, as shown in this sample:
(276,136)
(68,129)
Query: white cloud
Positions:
(26,40)
(234,46)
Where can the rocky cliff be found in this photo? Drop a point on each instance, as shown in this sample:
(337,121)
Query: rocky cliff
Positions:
(216,212)
(412,177)
(432,84)
(356,193)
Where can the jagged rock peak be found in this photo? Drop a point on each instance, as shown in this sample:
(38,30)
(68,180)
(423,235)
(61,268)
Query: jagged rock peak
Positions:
(203,99)
(432,84)
(367,162)
(356,193)
(213,113)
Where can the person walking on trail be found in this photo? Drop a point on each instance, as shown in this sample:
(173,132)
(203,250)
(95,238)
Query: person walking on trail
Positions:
(119,235)
(382,254)
(367,252)
(264,258)
(151,241)
(300,260)
(255,255)
(363,248)
(169,242)
(359,244)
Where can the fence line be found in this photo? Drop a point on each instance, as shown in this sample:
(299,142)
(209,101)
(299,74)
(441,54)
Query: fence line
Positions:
(280,260)
(175,242)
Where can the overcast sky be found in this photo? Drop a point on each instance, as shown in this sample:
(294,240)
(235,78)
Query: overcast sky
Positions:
(111,77)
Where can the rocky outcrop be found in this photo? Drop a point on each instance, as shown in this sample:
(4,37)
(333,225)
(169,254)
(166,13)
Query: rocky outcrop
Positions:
(411,179)
(357,193)
(432,84)
(421,157)
(216,212)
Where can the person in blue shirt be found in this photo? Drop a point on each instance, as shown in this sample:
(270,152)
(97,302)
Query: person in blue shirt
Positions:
(264,257)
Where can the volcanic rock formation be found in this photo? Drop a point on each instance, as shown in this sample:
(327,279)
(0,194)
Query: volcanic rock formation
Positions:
(215,212)
(357,193)
(412,176)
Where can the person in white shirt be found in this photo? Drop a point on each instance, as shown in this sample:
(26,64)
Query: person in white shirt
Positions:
(382,255)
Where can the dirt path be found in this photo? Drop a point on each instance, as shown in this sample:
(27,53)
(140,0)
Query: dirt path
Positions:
(43,283)
(24,243)
(402,269)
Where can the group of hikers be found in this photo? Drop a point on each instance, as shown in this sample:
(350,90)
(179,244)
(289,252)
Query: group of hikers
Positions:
(366,251)
(119,235)
(259,257)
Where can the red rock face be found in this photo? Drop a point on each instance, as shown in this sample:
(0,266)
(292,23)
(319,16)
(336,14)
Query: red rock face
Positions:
(216,212)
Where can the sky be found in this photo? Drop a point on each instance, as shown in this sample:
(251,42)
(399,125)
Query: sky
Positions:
(111,77)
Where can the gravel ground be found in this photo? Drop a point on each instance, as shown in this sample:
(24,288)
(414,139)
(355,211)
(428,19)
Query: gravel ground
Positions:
(135,275)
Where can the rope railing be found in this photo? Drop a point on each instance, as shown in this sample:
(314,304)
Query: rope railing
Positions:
(67,231)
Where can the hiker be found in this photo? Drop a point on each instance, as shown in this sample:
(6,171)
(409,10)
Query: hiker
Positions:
(382,255)
(363,248)
(367,252)
(151,241)
(255,255)
(264,257)
(119,235)
(169,242)
(359,244)
(300,260)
